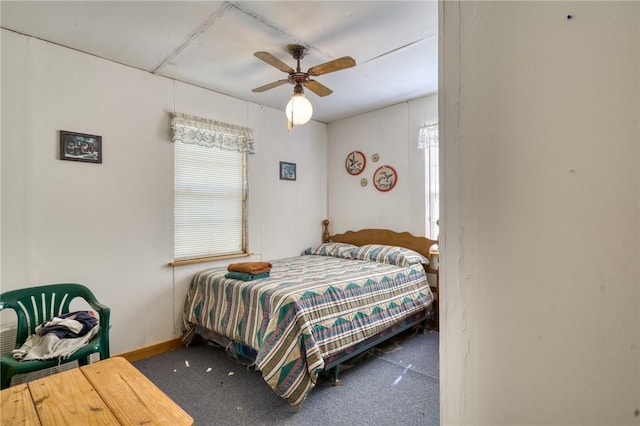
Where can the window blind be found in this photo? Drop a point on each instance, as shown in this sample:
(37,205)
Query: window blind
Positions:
(209,194)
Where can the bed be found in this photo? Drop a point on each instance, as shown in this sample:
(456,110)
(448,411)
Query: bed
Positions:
(315,311)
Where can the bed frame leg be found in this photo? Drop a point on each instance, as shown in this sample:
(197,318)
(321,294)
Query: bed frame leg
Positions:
(333,376)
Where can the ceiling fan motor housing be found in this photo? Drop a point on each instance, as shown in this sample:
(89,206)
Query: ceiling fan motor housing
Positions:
(298,78)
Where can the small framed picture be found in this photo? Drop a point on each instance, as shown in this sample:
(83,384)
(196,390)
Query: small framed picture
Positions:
(287,171)
(80,147)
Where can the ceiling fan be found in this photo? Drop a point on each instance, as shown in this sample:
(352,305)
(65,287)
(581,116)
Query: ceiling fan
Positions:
(299,78)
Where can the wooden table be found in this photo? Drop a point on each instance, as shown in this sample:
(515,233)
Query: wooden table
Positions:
(109,392)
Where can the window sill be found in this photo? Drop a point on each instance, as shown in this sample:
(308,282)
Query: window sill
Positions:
(208,259)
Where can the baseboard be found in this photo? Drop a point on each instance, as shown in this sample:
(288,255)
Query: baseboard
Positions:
(157,349)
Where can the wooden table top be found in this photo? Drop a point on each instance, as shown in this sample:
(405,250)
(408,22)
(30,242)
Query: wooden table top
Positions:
(108,392)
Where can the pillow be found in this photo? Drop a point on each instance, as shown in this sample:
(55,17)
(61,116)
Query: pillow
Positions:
(392,255)
(332,249)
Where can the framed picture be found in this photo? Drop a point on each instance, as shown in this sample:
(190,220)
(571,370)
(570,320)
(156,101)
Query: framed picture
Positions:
(355,163)
(80,147)
(385,178)
(287,171)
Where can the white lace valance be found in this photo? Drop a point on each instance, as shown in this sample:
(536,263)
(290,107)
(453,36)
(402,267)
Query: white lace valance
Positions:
(428,136)
(213,134)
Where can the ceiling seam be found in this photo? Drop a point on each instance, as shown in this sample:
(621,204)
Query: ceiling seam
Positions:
(400,48)
(211,19)
(294,40)
(263,20)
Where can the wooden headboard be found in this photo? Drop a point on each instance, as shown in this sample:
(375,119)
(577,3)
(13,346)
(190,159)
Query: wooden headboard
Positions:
(403,239)
(380,236)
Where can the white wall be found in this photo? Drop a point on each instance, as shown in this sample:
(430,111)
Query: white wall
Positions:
(539,145)
(392,133)
(110,225)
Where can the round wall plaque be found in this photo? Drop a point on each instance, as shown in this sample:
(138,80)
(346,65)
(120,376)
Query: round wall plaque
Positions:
(355,163)
(385,178)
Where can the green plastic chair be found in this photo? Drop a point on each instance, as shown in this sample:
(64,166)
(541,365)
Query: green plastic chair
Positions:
(35,305)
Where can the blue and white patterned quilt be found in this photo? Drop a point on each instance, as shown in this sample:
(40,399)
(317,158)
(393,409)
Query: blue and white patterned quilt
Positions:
(309,307)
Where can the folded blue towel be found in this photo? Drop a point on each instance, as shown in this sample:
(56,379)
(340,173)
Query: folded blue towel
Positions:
(246,277)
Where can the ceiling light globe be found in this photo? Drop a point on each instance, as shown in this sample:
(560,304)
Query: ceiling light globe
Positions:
(298,109)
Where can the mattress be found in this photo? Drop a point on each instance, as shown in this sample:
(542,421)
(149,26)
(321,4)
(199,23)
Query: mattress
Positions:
(309,308)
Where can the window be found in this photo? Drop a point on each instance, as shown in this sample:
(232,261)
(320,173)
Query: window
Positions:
(428,142)
(210,185)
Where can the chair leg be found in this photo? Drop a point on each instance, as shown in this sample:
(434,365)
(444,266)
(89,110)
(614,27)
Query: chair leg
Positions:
(84,360)
(5,381)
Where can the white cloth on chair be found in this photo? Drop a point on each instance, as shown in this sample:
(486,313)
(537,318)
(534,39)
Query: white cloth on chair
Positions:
(50,346)
(59,337)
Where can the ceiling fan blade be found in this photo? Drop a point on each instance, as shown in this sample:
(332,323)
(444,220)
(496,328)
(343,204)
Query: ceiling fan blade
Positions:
(317,88)
(332,66)
(269,86)
(273,61)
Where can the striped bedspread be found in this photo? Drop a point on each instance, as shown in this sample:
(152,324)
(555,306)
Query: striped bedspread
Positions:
(310,307)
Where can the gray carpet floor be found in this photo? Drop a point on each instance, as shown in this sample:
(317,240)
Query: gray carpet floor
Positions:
(394,384)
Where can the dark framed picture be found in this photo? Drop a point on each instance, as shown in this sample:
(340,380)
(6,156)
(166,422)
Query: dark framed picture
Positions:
(80,147)
(287,171)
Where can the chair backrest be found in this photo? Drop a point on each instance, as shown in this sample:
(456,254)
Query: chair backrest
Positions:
(35,305)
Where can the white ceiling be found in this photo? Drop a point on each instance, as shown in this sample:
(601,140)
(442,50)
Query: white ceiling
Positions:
(211,44)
